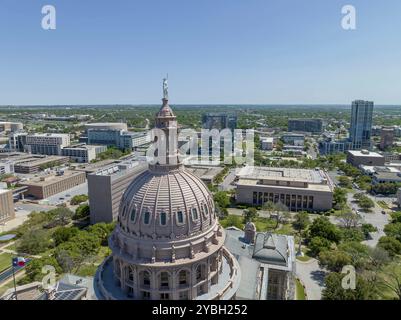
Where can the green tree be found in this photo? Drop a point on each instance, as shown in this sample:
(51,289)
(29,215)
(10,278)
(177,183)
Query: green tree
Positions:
(318,244)
(34,242)
(340,197)
(391,245)
(300,223)
(345,182)
(81,212)
(78,199)
(390,278)
(33,271)
(334,290)
(221,199)
(322,227)
(250,214)
(366,203)
(334,260)
(393,230)
(64,234)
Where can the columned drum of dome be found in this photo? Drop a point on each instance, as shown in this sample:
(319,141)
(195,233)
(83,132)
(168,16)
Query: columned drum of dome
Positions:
(168,244)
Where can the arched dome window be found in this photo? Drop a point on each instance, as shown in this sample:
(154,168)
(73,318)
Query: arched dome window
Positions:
(163,218)
(180,217)
(195,214)
(146,217)
(133,214)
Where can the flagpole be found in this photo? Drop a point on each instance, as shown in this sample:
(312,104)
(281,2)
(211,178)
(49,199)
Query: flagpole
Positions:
(15,285)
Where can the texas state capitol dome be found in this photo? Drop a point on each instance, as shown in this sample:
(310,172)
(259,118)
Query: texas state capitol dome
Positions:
(168,244)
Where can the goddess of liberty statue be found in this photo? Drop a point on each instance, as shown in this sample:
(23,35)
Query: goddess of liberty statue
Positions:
(165,89)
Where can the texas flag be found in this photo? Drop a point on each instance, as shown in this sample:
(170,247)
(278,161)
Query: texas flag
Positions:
(19,262)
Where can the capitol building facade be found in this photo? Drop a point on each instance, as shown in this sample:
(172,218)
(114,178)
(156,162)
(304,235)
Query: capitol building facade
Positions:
(168,244)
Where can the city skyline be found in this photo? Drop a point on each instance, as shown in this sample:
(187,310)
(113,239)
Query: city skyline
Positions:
(259,52)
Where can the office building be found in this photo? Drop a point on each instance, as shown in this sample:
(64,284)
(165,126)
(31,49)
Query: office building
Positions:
(297,189)
(314,126)
(47,143)
(83,152)
(17,141)
(106,186)
(106,126)
(7,211)
(361,124)
(293,139)
(35,163)
(219,121)
(45,186)
(386,137)
(364,157)
(117,138)
(266,143)
(6,167)
(11,126)
(330,146)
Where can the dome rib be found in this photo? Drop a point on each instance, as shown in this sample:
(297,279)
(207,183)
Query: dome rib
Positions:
(139,222)
(155,218)
(188,221)
(200,215)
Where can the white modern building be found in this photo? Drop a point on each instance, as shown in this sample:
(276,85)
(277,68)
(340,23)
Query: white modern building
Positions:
(47,143)
(266,143)
(83,152)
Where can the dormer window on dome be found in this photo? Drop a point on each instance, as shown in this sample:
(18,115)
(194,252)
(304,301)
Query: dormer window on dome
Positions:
(146,217)
(163,218)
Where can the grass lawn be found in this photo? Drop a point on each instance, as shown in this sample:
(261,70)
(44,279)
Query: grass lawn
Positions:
(264,224)
(300,291)
(88,270)
(286,229)
(303,258)
(5,261)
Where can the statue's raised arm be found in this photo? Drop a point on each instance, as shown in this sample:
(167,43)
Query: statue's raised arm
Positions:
(165,89)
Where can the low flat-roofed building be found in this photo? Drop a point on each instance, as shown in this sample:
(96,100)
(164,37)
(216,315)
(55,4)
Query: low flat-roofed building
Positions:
(399,197)
(106,126)
(7,211)
(106,186)
(35,163)
(83,152)
(267,265)
(390,176)
(294,139)
(45,186)
(266,143)
(364,157)
(206,173)
(298,189)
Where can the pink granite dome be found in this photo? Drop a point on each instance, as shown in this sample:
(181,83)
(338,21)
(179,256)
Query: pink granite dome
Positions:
(175,204)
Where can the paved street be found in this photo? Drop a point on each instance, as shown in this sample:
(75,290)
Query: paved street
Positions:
(312,277)
(375,218)
(226,184)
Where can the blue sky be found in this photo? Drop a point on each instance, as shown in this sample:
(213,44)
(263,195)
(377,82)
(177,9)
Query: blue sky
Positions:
(215,51)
